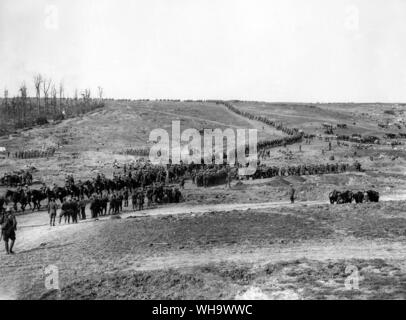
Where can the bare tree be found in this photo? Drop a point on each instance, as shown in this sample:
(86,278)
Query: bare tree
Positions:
(37,83)
(46,85)
(100,93)
(23,91)
(86,96)
(6,99)
(54,97)
(61,93)
(23,104)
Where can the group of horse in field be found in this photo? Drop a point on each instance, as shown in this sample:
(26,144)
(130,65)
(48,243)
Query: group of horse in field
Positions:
(349,196)
(32,199)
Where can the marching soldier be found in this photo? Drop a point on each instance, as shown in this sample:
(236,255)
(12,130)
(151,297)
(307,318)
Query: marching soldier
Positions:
(177,195)
(8,224)
(112,206)
(125,196)
(74,210)
(119,202)
(140,200)
(52,208)
(292,194)
(134,199)
(229,178)
(182,183)
(65,211)
(82,205)
(94,207)
(205,180)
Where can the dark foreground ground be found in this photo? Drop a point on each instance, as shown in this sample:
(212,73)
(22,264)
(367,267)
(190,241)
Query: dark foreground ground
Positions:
(290,252)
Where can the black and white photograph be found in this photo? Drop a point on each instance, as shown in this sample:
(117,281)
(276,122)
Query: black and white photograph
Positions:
(207,150)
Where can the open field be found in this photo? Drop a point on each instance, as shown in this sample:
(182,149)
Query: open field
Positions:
(243,242)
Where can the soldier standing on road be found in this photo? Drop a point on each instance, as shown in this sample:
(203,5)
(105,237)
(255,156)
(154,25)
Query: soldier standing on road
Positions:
(74,210)
(292,194)
(182,183)
(65,208)
(125,196)
(134,200)
(52,208)
(93,207)
(205,180)
(141,200)
(82,205)
(8,228)
(229,178)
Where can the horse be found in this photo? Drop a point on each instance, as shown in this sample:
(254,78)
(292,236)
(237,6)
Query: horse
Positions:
(60,193)
(358,197)
(73,191)
(3,201)
(345,197)
(36,197)
(18,197)
(372,196)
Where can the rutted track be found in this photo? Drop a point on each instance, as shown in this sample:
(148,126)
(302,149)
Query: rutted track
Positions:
(34,228)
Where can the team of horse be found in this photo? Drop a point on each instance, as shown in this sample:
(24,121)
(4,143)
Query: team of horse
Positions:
(139,179)
(348,196)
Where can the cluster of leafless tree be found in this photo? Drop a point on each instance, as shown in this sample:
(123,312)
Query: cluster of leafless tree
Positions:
(49,103)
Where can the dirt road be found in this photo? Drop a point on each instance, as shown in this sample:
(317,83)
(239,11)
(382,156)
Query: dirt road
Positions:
(34,227)
(184,237)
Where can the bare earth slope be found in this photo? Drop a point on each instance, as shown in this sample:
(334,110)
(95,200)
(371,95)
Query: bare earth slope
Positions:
(243,242)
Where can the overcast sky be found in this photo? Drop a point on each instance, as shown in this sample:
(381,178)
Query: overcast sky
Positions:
(272,50)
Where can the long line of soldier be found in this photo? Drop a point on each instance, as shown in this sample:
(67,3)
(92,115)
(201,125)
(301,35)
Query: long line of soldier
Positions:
(304,169)
(158,193)
(101,205)
(155,178)
(213,175)
(219,174)
(136,152)
(133,177)
(30,154)
(359,139)
(395,136)
(295,135)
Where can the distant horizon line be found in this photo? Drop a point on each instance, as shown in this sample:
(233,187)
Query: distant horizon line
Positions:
(228,100)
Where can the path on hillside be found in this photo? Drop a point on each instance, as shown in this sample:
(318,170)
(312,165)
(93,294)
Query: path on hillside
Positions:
(321,250)
(260,126)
